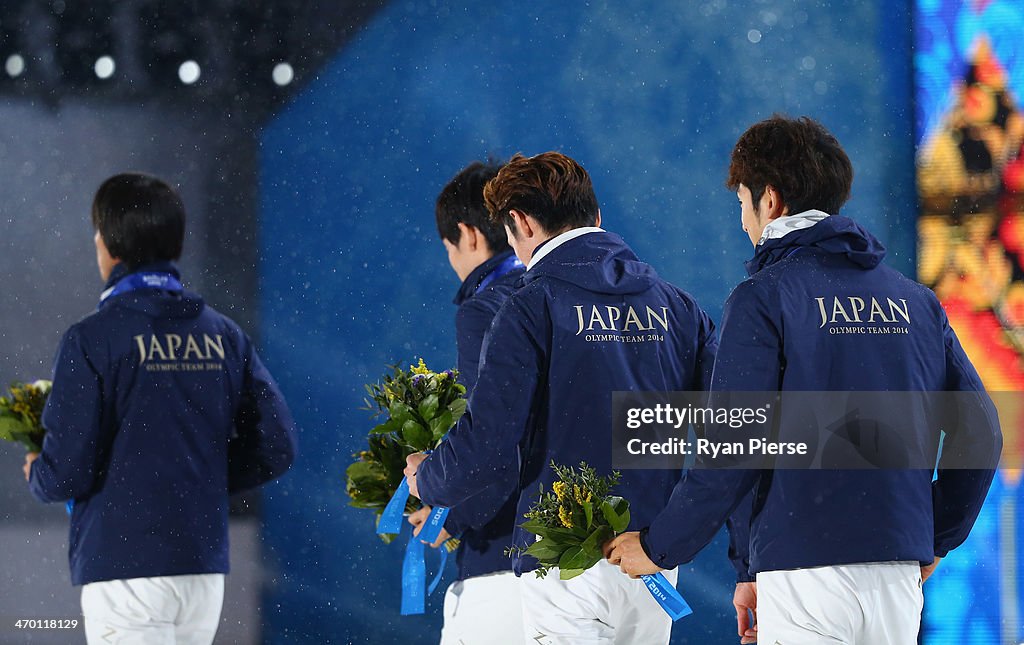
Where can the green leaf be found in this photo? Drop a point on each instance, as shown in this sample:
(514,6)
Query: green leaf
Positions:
(400,412)
(592,545)
(457,408)
(9,427)
(538,528)
(547,550)
(577,557)
(588,510)
(428,408)
(616,513)
(416,436)
(440,425)
(388,426)
(569,574)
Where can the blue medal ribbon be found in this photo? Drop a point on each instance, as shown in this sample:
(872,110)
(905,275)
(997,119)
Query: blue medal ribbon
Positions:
(414,576)
(391,519)
(667,596)
(432,527)
(143,280)
(510,263)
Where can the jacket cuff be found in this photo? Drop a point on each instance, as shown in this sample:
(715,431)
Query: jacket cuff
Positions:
(651,553)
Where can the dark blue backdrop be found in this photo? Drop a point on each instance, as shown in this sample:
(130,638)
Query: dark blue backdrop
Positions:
(649,96)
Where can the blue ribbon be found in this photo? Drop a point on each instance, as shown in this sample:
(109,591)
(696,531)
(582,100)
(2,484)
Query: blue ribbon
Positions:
(440,571)
(510,263)
(667,596)
(414,576)
(147,280)
(432,527)
(70,506)
(391,519)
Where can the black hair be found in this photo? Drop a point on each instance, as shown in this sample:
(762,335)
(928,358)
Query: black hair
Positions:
(462,200)
(140,218)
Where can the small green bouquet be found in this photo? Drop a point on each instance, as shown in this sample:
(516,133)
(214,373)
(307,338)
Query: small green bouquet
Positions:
(421,406)
(21,414)
(573,520)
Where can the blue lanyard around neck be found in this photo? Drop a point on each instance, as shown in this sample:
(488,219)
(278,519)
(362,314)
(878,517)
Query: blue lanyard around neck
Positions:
(144,280)
(508,264)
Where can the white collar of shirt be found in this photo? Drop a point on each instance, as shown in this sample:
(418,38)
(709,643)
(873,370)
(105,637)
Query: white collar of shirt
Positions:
(783,226)
(558,241)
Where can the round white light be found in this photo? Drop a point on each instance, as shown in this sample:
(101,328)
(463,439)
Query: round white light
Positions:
(754,36)
(15,65)
(104,67)
(189,72)
(283,74)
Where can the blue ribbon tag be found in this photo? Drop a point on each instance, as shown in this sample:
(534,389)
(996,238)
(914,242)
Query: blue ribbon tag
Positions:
(70,506)
(432,527)
(667,596)
(391,518)
(414,578)
(149,280)
(440,572)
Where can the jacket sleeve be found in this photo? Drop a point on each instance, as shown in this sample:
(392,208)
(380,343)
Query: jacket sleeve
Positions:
(958,493)
(482,450)
(74,447)
(477,511)
(264,444)
(748,360)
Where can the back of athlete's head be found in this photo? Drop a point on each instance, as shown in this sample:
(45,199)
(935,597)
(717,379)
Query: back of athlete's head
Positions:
(551,187)
(140,218)
(462,201)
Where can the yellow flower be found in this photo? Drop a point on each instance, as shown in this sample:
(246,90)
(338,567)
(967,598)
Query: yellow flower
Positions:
(420,369)
(559,488)
(565,515)
(577,492)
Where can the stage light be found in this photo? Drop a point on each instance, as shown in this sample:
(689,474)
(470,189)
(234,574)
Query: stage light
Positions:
(15,65)
(104,67)
(754,36)
(189,72)
(283,74)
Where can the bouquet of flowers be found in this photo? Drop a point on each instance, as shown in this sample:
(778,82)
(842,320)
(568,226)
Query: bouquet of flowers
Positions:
(420,406)
(574,520)
(21,414)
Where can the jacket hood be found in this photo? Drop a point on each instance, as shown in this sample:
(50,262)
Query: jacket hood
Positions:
(154,302)
(600,262)
(834,235)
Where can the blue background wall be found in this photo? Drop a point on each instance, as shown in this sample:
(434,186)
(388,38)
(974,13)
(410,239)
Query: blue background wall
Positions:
(649,96)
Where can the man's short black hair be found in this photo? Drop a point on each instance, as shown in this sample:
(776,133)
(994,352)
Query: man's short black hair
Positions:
(462,200)
(140,218)
(799,158)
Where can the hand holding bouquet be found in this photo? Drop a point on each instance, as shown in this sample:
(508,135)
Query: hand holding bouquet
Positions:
(21,414)
(421,406)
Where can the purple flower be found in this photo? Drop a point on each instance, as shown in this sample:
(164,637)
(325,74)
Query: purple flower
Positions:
(416,380)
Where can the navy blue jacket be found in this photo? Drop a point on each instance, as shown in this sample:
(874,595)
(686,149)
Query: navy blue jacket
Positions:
(484,537)
(774,337)
(590,319)
(160,408)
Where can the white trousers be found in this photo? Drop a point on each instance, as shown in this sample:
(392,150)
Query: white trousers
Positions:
(877,603)
(170,610)
(484,610)
(603,605)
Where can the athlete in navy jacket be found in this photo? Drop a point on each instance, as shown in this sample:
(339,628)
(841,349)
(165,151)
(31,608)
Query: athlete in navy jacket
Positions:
(589,319)
(483,604)
(160,408)
(838,553)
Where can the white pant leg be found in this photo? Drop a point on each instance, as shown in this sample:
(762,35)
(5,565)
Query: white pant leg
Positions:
(485,610)
(168,610)
(603,605)
(876,603)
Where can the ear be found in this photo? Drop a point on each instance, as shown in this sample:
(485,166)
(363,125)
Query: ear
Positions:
(772,204)
(470,234)
(523,223)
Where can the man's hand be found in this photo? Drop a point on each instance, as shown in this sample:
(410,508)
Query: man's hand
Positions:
(745,602)
(27,468)
(419,518)
(626,552)
(412,464)
(929,569)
